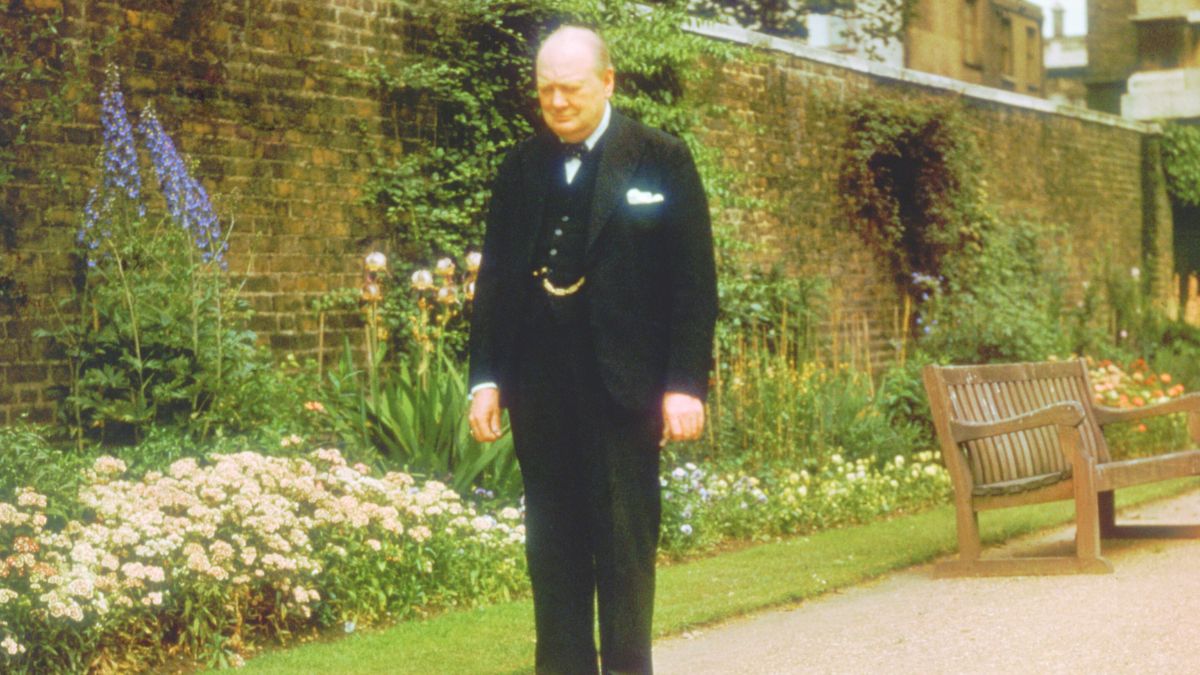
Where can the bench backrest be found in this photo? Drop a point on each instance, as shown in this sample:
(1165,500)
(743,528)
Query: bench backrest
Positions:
(993,392)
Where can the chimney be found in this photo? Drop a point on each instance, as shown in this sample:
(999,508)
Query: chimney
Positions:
(1058,19)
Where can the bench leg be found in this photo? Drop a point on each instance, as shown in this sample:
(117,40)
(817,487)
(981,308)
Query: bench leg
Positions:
(969,564)
(969,545)
(1087,515)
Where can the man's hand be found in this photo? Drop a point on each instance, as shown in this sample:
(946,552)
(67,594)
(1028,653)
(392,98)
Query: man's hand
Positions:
(484,416)
(683,417)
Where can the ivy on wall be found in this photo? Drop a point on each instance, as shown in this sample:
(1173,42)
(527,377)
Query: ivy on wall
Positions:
(42,78)
(983,288)
(1181,161)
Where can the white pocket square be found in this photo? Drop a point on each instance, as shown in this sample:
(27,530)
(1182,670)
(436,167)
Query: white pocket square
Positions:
(636,196)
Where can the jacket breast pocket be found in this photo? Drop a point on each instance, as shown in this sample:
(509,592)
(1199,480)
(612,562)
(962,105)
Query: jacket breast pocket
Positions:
(644,217)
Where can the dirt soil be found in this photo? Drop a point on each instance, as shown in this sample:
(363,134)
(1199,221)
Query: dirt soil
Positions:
(1144,618)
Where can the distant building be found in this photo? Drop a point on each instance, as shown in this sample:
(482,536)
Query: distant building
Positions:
(1145,58)
(1066,62)
(996,43)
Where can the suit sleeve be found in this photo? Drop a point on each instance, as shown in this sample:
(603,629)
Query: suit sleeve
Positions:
(484,322)
(693,278)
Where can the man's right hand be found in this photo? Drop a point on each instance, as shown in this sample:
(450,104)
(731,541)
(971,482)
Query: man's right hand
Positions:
(484,416)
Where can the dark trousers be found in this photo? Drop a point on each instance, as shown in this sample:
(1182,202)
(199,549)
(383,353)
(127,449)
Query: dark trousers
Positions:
(590,469)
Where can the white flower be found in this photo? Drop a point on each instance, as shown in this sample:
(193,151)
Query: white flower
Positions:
(375,261)
(422,280)
(686,529)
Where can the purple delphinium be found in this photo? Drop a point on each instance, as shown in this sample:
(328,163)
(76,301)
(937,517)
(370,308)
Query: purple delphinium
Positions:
(187,201)
(121,177)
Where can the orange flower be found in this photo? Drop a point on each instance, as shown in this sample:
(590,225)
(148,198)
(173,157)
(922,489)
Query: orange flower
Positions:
(1165,377)
(1141,428)
(1138,401)
(1123,401)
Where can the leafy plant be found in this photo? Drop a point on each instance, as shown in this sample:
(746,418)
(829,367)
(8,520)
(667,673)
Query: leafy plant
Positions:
(1003,303)
(154,334)
(1181,161)
(416,418)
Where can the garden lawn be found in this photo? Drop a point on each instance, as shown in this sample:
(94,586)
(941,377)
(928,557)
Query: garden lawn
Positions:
(499,638)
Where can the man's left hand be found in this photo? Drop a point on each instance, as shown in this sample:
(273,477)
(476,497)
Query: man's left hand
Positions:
(683,417)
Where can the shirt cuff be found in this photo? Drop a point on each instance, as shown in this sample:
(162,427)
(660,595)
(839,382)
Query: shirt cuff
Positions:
(480,386)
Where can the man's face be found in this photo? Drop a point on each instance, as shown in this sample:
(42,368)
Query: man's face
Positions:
(571,91)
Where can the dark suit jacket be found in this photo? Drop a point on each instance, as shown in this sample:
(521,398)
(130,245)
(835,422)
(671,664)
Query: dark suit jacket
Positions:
(651,279)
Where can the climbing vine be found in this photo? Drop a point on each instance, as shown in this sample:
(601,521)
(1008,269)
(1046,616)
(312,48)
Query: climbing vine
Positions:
(982,287)
(1181,160)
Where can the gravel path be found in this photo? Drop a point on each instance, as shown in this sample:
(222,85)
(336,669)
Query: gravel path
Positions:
(1144,618)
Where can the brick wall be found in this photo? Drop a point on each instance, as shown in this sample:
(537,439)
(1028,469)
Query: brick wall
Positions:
(257,91)
(1096,174)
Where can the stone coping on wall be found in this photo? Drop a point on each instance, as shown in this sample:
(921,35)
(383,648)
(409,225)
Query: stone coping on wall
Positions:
(798,49)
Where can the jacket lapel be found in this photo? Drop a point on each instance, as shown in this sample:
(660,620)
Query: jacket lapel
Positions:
(536,174)
(618,160)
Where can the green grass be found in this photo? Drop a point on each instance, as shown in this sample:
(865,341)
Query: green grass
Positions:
(499,639)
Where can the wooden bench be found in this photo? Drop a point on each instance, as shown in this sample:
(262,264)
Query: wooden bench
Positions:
(1027,433)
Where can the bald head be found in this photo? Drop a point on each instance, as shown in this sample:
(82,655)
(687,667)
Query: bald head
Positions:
(582,40)
(574,81)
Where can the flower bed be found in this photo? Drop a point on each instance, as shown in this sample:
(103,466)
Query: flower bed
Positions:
(201,560)
(208,560)
(702,508)
(1135,386)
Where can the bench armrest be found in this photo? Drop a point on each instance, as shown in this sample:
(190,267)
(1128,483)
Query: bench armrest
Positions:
(1067,413)
(1189,403)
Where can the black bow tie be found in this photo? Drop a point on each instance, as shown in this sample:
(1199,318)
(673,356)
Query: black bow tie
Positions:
(574,150)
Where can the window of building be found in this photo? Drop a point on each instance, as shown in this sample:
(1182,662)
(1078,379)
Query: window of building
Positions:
(1033,63)
(970,33)
(1006,46)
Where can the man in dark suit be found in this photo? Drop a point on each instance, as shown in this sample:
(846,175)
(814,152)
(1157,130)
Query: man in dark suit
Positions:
(593,324)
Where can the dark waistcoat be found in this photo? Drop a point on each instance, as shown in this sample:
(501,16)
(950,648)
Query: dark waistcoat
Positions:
(562,242)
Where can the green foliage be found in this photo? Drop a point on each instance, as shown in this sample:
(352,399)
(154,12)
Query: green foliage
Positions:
(784,309)
(1178,353)
(159,338)
(769,407)
(986,288)
(1181,160)
(415,417)
(865,22)
(902,400)
(910,178)
(1002,303)
(28,458)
